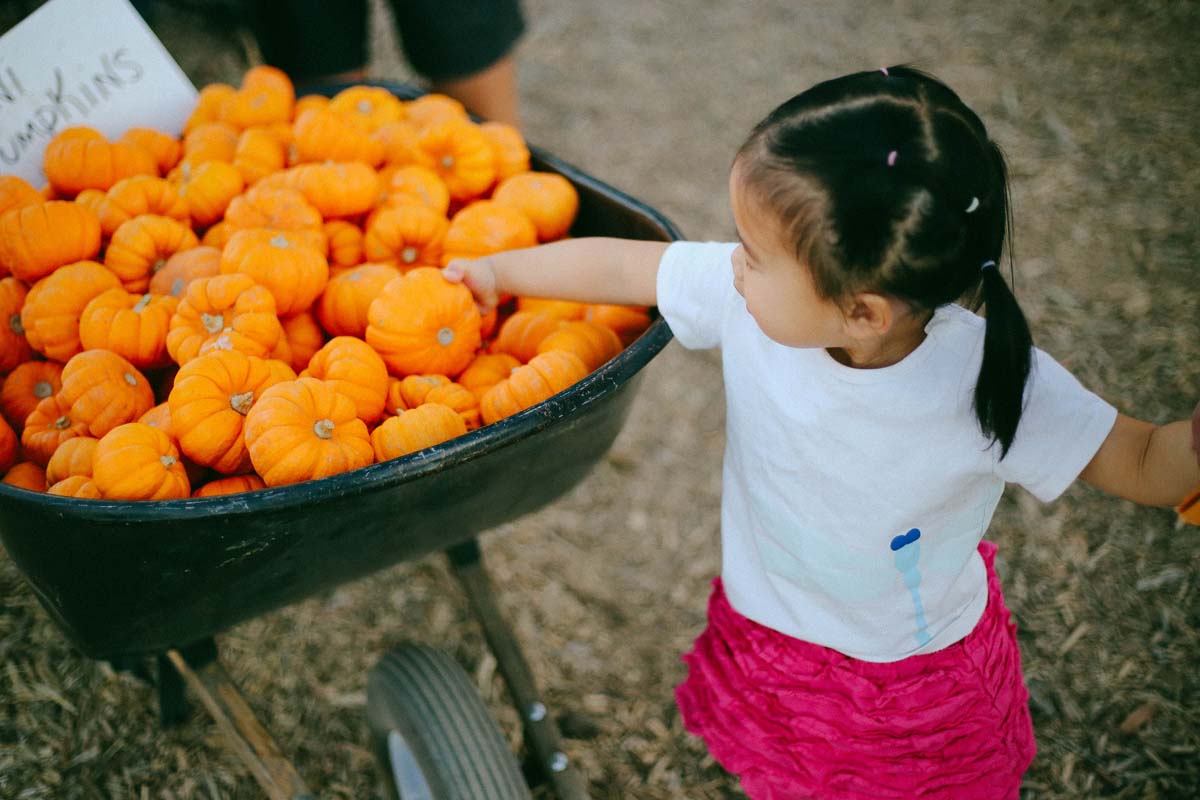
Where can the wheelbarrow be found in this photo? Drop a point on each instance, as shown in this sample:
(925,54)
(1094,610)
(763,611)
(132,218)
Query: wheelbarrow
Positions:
(127,581)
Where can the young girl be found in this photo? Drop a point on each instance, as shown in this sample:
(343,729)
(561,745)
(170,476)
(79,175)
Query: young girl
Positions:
(858,645)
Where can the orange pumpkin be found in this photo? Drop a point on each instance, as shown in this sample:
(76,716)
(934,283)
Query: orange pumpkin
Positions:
(305,429)
(345,243)
(133,326)
(72,457)
(218,235)
(226,312)
(16,192)
(80,158)
(8,446)
(184,267)
(258,105)
(14,347)
(459,398)
(212,395)
(422,323)
(165,149)
(26,475)
(234,484)
(104,390)
(414,388)
(486,370)
(209,188)
(26,386)
(294,272)
(521,333)
(79,486)
(259,153)
(432,108)
(486,227)
(546,198)
(269,207)
(54,305)
(49,425)
(351,367)
(94,200)
(395,398)
(141,247)
(594,344)
(367,107)
(415,184)
(562,309)
(39,238)
(399,140)
(304,338)
(461,156)
(627,322)
(208,105)
(324,135)
(545,375)
(266,77)
(211,141)
(342,309)
(333,189)
(160,417)
(137,462)
(415,430)
(310,102)
(510,154)
(142,194)
(406,235)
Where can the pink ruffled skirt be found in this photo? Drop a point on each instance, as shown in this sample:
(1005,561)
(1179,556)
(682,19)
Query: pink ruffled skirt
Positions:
(794,720)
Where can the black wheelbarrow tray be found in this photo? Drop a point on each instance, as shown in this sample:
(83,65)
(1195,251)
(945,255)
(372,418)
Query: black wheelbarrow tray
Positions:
(125,579)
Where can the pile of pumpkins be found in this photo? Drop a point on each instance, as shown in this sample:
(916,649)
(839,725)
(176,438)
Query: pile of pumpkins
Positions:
(259,302)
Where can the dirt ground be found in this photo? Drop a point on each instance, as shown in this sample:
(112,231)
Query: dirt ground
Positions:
(1097,105)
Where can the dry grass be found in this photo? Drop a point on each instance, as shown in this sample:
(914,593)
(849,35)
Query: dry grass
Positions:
(1097,106)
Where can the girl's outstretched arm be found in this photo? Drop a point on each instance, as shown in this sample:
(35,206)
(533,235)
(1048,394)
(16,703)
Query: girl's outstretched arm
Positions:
(592,270)
(1149,464)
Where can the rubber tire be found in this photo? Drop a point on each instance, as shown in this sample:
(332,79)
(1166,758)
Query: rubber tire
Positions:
(428,721)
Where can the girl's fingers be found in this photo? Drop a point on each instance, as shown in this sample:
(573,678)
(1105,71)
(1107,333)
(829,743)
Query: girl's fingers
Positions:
(454,271)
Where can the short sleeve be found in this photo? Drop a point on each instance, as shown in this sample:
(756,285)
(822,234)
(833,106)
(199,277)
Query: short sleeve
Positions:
(1061,429)
(695,288)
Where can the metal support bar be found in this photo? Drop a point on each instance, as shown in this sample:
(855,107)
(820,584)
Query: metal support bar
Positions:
(248,738)
(541,731)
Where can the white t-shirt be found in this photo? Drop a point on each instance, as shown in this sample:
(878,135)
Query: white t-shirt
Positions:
(853,500)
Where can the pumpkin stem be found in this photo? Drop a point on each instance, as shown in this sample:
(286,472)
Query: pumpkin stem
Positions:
(364,106)
(14,322)
(323,428)
(177,287)
(130,379)
(141,304)
(445,337)
(408,255)
(42,390)
(62,423)
(157,265)
(448,161)
(212,322)
(279,240)
(241,402)
(167,461)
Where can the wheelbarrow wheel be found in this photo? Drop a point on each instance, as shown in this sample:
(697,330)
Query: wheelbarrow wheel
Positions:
(432,733)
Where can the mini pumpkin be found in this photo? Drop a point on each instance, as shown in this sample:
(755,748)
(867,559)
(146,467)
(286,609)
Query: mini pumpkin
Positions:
(9,448)
(212,395)
(104,390)
(54,305)
(208,105)
(342,309)
(415,430)
(165,149)
(510,154)
(546,198)
(259,153)
(406,235)
(461,156)
(414,388)
(304,338)
(459,398)
(37,239)
(486,370)
(545,375)
(562,309)
(184,267)
(49,425)
(486,227)
(258,105)
(434,107)
(78,486)
(345,243)
(81,158)
(225,312)
(131,325)
(94,200)
(415,184)
(399,140)
(26,386)
(594,344)
(26,475)
(160,417)
(141,194)
(294,272)
(422,323)
(354,369)
(137,462)
(211,141)
(324,135)
(627,322)
(305,429)
(333,189)
(14,347)
(209,188)
(72,457)
(16,192)
(521,333)
(233,484)
(272,207)
(141,247)
(367,107)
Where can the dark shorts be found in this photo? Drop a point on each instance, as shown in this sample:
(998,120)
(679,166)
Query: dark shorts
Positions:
(442,39)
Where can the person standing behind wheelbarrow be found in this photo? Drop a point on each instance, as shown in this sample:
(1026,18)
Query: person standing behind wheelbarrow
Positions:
(858,644)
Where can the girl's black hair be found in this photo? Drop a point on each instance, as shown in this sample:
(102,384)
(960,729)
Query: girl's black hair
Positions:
(886,182)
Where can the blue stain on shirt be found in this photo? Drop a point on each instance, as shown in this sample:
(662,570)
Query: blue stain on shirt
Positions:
(907,547)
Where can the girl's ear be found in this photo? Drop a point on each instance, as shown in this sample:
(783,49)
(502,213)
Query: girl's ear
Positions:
(870,315)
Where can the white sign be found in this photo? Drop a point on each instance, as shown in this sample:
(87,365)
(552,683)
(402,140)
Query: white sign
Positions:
(83,62)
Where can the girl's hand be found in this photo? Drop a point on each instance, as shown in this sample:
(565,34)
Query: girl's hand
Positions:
(478,275)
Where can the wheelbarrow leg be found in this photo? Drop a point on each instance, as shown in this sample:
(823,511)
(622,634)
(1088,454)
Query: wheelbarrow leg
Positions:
(541,732)
(248,738)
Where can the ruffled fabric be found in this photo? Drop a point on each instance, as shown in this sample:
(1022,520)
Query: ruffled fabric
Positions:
(797,721)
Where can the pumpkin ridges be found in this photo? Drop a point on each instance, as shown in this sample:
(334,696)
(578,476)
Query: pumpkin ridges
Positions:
(135,461)
(351,367)
(104,390)
(405,321)
(142,245)
(72,457)
(37,239)
(14,346)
